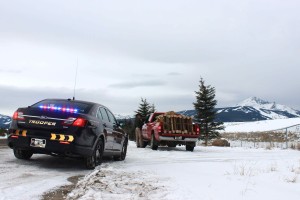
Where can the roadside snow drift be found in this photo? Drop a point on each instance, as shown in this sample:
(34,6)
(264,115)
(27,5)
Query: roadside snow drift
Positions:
(111,183)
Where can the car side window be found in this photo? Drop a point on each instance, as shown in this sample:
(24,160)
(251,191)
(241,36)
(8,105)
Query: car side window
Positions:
(99,114)
(103,114)
(111,117)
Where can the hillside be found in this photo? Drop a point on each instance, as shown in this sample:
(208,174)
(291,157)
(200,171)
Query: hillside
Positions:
(264,125)
(252,109)
(4,121)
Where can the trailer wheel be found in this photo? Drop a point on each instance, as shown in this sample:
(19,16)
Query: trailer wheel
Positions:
(145,143)
(190,146)
(153,143)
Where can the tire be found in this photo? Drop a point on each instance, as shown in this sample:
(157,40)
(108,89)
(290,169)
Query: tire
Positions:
(145,143)
(94,160)
(22,154)
(189,147)
(122,156)
(153,143)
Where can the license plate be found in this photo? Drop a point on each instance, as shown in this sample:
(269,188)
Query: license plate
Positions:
(41,143)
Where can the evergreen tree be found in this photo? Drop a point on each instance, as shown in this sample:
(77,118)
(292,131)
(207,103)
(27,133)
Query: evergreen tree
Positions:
(152,108)
(144,108)
(206,113)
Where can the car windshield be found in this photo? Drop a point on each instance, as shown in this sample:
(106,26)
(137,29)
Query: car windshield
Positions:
(63,105)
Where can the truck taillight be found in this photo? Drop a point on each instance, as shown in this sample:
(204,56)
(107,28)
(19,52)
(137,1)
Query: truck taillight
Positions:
(71,121)
(198,129)
(18,116)
(159,128)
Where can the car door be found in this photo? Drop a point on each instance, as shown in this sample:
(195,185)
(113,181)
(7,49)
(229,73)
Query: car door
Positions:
(117,132)
(107,128)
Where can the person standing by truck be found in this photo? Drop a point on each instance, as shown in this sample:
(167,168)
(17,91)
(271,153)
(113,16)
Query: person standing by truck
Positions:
(139,122)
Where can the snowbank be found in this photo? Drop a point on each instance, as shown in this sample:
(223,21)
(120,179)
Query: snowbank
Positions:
(260,126)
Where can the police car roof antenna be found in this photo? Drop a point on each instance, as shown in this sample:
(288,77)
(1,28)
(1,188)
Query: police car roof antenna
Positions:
(75,79)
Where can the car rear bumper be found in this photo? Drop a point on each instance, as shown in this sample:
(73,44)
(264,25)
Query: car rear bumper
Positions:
(52,147)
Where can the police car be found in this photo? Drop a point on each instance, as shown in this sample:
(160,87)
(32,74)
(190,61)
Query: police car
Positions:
(69,128)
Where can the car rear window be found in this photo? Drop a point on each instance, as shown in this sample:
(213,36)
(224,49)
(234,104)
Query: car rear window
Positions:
(64,106)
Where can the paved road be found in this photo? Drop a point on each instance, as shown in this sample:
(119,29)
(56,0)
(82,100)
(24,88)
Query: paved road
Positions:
(28,179)
(3,143)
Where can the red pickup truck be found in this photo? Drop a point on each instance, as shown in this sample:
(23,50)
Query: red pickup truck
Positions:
(171,129)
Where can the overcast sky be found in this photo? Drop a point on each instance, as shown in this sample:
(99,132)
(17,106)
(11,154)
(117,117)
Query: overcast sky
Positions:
(155,49)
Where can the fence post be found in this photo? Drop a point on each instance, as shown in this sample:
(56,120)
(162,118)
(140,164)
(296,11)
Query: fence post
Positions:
(286,138)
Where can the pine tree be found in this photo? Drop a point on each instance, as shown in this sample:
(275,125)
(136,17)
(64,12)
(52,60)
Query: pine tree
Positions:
(144,108)
(152,108)
(206,113)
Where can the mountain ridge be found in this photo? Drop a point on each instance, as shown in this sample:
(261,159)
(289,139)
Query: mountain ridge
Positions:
(4,121)
(251,109)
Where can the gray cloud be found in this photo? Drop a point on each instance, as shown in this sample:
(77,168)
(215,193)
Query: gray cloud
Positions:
(174,74)
(12,71)
(146,83)
(242,48)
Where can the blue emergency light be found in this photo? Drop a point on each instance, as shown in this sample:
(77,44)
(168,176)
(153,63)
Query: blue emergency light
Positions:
(57,108)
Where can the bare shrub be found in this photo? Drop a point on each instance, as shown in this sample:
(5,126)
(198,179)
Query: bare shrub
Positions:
(292,179)
(269,147)
(243,170)
(273,167)
(270,136)
(293,146)
(298,146)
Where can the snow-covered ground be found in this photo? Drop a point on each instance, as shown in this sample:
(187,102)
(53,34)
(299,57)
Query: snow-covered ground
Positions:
(169,173)
(206,173)
(24,180)
(263,125)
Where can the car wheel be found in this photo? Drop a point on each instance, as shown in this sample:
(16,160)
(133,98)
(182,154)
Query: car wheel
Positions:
(153,143)
(92,161)
(22,154)
(122,156)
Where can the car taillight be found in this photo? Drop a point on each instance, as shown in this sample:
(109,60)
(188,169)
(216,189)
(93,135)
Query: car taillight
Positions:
(18,116)
(80,122)
(71,121)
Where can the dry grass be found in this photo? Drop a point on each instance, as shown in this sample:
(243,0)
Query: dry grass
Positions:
(292,179)
(261,136)
(266,137)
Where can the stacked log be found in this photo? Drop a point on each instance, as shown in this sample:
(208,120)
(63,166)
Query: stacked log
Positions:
(176,123)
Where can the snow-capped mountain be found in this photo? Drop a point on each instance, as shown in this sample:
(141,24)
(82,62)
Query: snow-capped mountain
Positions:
(252,109)
(119,116)
(5,121)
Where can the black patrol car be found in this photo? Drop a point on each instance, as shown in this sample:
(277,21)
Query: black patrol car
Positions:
(67,127)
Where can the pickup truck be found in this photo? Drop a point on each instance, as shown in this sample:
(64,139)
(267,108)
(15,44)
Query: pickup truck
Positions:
(170,129)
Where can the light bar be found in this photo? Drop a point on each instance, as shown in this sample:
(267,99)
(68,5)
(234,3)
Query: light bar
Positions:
(57,108)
